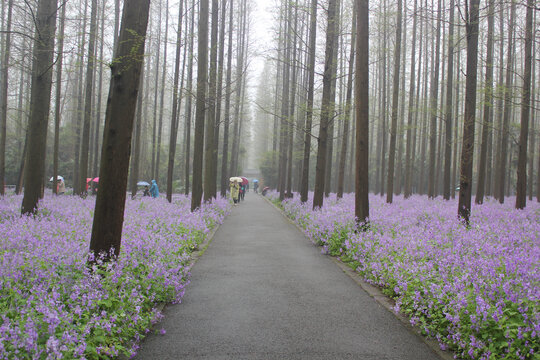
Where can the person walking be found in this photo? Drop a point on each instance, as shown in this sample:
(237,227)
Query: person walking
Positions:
(154,190)
(235,189)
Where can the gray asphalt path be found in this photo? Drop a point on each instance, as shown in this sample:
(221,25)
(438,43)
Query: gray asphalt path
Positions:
(263,291)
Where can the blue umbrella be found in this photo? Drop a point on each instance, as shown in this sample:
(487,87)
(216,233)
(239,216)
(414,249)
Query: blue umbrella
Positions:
(143,183)
(255,180)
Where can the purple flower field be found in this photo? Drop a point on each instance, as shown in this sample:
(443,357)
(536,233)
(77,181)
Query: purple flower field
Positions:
(477,290)
(53,306)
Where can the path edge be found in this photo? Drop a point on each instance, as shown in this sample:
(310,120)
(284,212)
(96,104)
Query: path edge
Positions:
(374,292)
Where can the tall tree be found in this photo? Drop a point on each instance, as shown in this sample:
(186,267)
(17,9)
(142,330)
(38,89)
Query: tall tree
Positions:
(327,105)
(175,105)
(83,162)
(448,118)
(361,203)
(162,98)
(503,146)
(348,100)
(210,177)
(521,191)
(488,105)
(42,64)
(467,150)
(126,71)
(284,114)
(433,106)
(409,149)
(187,128)
(200,111)
(226,116)
(58,99)
(309,105)
(4,96)
(395,94)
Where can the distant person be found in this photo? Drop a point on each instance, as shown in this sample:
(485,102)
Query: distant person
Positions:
(256,187)
(242,191)
(235,190)
(265,190)
(146,191)
(154,190)
(60,187)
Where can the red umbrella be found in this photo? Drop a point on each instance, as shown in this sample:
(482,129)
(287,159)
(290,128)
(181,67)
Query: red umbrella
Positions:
(245,181)
(96,180)
(88,180)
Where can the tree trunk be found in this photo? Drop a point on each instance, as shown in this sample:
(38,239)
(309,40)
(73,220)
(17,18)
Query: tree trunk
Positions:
(189,100)
(77,186)
(200,105)
(283,127)
(409,144)
(395,97)
(433,103)
(209,144)
(136,150)
(521,191)
(327,105)
(449,103)
(226,120)
(361,208)
(83,162)
(156,85)
(488,104)
(219,95)
(175,105)
(99,95)
(503,147)
(162,99)
(124,86)
(304,187)
(4,98)
(348,100)
(40,103)
(467,150)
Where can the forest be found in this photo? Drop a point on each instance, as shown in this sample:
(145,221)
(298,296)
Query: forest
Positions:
(340,107)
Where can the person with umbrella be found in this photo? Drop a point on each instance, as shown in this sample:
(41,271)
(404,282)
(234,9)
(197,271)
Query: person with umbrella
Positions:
(235,189)
(154,190)
(256,186)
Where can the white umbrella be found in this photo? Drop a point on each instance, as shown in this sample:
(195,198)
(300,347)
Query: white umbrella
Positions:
(58,177)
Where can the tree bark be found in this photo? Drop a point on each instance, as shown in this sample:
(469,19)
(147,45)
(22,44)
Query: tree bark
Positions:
(304,187)
(361,208)
(433,107)
(125,74)
(210,146)
(488,104)
(395,97)
(4,97)
(503,147)
(189,101)
(83,161)
(40,103)
(449,103)
(200,105)
(467,150)
(409,144)
(226,117)
(327,105)
(348,101)
(175,105)
(521,190)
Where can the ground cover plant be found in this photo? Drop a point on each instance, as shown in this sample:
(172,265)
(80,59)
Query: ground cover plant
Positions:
(52,305)
(476,290)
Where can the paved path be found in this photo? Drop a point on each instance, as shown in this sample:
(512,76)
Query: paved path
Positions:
(263,291)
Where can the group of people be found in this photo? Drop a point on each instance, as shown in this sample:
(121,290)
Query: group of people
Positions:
(238,189)
(153,191)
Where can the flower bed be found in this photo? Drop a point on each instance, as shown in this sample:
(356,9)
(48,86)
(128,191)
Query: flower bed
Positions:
(53,306)
(476,290)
